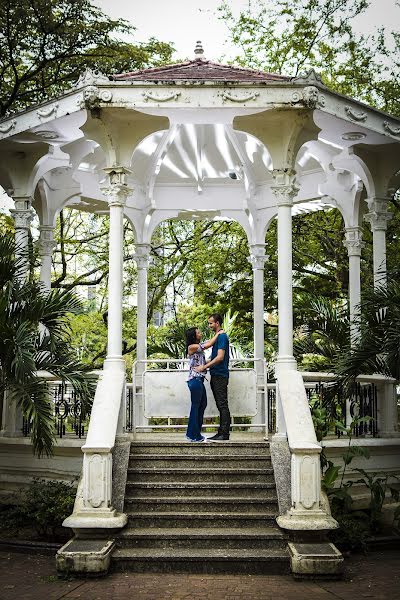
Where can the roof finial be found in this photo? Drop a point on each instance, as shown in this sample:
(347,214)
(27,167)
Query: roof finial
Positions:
(198,51)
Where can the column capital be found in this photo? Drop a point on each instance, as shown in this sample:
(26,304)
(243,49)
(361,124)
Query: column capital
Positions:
(379,215)
(22,213)
(118,190)
(353,241)
(285,188)
(142,256)
(257,257)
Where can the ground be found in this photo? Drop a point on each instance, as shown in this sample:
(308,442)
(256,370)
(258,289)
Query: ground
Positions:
(33,577)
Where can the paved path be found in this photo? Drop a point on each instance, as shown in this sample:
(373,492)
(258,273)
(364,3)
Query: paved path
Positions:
(33,577)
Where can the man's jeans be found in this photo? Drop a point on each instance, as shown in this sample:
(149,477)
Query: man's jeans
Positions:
(219,386)
(199,402)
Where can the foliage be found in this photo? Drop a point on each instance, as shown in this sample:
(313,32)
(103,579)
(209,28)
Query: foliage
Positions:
(378,485)
(377,348)
(35,336)
(46,44)
(44,505)
(290,37)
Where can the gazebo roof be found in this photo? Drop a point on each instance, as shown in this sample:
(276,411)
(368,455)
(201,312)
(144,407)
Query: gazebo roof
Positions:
(199,69)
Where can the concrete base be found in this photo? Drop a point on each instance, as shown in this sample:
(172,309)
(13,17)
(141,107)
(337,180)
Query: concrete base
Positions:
(297,520)
(317,560)
(85,557)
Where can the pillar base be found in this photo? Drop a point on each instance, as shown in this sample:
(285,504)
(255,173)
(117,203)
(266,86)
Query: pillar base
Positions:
(85,557)
(116,363)
(316,560)
(313,520)
(285,363)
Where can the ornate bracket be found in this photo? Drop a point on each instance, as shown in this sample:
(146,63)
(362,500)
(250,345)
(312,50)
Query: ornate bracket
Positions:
(390,129)
(237,98)
(7,127)
(309,97)
(92,97)
(354,115)
(161,97)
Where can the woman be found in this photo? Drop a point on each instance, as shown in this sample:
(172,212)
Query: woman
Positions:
(195,352)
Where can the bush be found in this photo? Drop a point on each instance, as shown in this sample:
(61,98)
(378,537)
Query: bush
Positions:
(44,506)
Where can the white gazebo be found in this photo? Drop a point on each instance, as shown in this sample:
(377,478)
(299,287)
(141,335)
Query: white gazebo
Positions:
(203,140)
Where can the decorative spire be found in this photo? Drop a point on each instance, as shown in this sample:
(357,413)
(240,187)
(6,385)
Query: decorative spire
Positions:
(198,51)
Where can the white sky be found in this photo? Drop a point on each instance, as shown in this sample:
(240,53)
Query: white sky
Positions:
(183,22)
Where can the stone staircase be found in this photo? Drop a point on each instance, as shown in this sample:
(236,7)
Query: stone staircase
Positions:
(203,508)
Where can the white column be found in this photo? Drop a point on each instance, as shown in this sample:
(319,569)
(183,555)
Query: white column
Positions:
(142,258)
(285,189)
(22,214)
(378,218)
(257,260)
(46,247)
(116,195)
(354,245)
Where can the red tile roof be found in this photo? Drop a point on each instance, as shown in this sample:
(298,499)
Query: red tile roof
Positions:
(199,69)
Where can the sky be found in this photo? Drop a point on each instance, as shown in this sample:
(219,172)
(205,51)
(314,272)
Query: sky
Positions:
(183,22)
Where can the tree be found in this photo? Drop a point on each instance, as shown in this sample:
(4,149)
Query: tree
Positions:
(46,44)
(35,336)
(291,36)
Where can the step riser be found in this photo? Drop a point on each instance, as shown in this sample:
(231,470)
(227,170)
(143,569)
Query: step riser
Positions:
(229,492)
(223,544)
(183,520)
(200,463)
(193,477)
(205,567)
(207,449)
(188,506)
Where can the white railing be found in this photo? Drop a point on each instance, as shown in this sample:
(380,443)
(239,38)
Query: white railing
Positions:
(159,391)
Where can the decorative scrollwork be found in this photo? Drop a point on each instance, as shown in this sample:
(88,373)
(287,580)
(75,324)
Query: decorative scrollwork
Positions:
(392,130)
(7,127)
(225,95)
(89,77)
(45,113)
(161,97)
(309,97)
(354,115)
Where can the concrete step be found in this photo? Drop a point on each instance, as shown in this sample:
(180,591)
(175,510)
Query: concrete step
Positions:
(187,460)
(201,504)
(262,538)
(188,489)
(204,475)
(200,560)
(198,519)
(214,449)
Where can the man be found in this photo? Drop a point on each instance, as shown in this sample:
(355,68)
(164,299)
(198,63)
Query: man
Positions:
(219,370)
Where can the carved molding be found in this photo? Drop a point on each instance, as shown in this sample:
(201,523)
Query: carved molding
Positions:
(97,480)
(92,97)
(90,77)
(45,113)
(7,127)
(353,241)
(285,188)
(392,130)
(354,115)
(161,97)
(225,95)
(257,261)
(309,97)
(22,218)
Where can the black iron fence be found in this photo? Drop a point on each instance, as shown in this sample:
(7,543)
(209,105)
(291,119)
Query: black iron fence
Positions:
(363,402)
(68,412)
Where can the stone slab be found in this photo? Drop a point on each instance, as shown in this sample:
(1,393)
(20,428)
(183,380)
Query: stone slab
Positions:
(85,557)
(315,560)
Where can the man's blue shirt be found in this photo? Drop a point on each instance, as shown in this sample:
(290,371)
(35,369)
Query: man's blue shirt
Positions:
(222,368)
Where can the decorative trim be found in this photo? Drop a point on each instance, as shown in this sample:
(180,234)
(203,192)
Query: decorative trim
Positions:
(92,96)
(161,97)
(310,76)
(45,113)
(236,98)
(89,77)
(7,127)
(309,97)
(390,129)
(354,115)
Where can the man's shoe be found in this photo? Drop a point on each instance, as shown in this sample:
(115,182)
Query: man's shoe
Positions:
(219,437)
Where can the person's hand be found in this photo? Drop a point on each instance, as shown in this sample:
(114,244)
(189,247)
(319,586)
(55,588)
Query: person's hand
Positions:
(200,369)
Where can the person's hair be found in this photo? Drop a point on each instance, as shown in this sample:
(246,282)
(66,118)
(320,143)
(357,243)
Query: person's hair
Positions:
(217,318)
(190,337)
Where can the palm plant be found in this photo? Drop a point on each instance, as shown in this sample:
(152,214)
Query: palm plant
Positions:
(34,336)
(377,347)
(324,332)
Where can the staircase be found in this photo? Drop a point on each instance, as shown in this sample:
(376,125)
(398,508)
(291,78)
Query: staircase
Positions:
(203,508)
